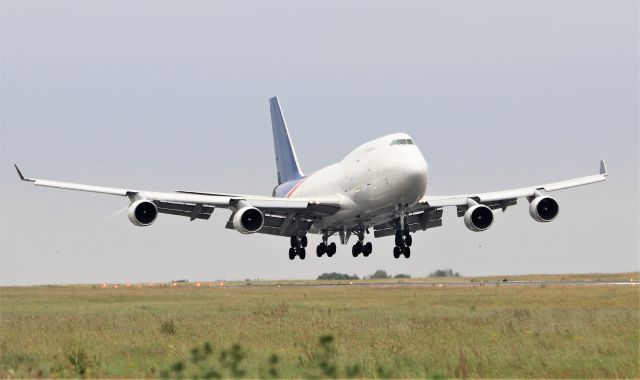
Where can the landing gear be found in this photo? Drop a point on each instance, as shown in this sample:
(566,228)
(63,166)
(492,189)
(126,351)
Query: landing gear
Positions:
(367,249)
(403,239)
(298,244)
(361,247)
(357,249)
(403,245)
(323,248)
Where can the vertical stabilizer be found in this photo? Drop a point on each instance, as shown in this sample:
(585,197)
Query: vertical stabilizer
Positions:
(286,159)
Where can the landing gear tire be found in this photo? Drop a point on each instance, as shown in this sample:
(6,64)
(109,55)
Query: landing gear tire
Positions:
(302,253)
(396,252)
(304,241)
(408,240)
(399,241)
(331,249)
(407,252)
(292,253)
(321,249)
(357,249)
(367,249)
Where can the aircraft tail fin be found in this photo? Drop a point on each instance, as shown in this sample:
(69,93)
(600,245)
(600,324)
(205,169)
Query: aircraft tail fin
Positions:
(286,159)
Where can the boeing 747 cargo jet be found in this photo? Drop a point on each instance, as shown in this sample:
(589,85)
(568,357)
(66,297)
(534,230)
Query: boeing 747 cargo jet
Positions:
(380,186)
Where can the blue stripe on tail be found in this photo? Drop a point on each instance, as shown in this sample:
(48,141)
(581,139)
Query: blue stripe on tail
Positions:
(286,159)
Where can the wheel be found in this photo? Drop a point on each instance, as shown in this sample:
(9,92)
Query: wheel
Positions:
(294,241)
(399,241)
(407,233)
(355,251)
(407,252)
(367,249)
(304,241)
(292,253)
(302,253)
(331,249)
(396,252)
(408,240)
(321,249)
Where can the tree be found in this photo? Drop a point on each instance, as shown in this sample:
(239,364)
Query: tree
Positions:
(444,273)
(337,276)
(380,274)
(402,275)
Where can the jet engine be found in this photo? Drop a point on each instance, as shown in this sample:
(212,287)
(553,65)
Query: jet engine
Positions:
(543,209)
(478,218)
(248,220)
(143,213)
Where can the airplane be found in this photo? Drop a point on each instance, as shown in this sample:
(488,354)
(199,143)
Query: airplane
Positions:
(379,186)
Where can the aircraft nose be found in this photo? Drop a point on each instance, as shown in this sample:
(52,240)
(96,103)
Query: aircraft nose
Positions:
(416,173)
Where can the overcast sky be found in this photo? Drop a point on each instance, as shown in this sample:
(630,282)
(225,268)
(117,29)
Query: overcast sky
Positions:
(168,95)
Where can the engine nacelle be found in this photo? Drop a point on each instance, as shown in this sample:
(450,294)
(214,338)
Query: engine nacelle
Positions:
(478,218)
(544,209)
(248,220)
(143,213)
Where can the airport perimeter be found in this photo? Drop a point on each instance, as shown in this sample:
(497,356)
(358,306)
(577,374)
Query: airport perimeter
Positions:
(582,326)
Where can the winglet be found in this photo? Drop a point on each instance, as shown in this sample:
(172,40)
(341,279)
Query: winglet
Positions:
(603,168)
(21,175)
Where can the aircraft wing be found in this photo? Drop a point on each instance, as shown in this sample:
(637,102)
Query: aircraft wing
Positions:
(428,212)
(279,212)
(505,198)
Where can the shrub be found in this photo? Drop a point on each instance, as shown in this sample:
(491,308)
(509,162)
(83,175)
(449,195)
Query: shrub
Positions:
(402,275)
(168,327)
(79,360)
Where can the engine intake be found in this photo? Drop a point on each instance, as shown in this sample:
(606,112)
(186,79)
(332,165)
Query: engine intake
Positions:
(544,209)
(478,218)
(143,213)
(248,220)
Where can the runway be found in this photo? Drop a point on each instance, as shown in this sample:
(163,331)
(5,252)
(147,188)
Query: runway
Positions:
(443,284)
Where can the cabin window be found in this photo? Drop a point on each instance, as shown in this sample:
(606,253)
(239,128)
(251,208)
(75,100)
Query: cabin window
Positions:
(402,142)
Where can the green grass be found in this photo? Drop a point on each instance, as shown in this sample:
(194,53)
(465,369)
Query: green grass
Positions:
(534,331)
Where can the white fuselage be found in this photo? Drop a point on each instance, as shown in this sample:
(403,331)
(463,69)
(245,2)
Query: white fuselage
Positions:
(373,182)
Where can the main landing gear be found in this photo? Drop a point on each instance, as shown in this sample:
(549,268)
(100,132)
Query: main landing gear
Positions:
(361,247)
(403,236)
(403,244)
(325,247)
(298,245)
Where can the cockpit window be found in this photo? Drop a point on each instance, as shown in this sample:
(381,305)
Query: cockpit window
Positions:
(402,142)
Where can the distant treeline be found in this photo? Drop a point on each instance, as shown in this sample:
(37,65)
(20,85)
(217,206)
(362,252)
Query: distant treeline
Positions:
(382,274)
(444,273)
(379,274)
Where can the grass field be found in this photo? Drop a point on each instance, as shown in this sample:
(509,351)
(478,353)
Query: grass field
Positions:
(504,331)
